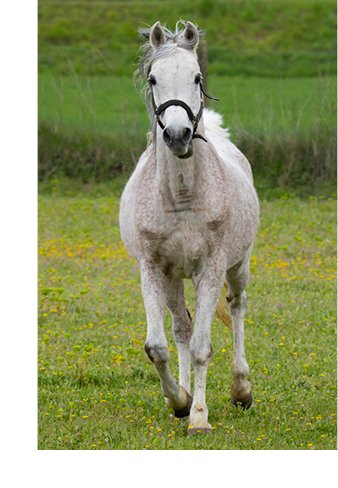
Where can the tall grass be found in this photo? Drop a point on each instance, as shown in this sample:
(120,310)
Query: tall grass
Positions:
(93,127)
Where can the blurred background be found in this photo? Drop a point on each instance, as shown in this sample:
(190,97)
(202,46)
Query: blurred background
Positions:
(272,63)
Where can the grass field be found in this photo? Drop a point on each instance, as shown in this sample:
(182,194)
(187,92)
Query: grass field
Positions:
(256,37)
(98,390)
(272,64)
(113,105)
(96,126)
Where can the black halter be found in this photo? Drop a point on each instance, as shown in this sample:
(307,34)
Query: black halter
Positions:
(193,118)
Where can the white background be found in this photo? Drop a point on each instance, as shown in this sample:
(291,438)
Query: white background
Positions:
(22,464)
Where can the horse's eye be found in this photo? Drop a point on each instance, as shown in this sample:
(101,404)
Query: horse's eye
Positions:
(198,79)
(152,80)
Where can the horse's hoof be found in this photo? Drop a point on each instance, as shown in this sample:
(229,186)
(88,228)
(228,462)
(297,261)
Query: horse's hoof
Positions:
(184,412)
(205,429)
(245,403)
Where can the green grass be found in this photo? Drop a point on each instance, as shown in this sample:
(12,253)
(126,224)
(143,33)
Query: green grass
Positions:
(96,126)
(97,389)
(273,65)
(256,37)
(108,104)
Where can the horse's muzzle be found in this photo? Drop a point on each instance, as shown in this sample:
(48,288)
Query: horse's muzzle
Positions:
(178,141)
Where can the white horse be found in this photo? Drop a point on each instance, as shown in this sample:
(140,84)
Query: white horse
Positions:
(189,210)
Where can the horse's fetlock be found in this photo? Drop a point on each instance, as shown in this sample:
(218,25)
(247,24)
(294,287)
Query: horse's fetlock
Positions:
(240,372)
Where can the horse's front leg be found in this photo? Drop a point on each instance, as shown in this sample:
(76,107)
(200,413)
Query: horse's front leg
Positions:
(208,289)
(154,284)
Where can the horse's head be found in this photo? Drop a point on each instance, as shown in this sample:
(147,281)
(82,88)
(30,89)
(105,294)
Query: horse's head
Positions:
(174,79)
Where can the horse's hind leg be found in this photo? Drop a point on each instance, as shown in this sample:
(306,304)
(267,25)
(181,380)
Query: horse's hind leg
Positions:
(182,329)
(237,278)
(154,285)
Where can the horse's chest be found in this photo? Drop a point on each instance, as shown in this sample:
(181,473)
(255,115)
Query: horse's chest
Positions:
(182,249)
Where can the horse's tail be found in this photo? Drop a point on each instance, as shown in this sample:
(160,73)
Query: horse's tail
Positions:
(222,310)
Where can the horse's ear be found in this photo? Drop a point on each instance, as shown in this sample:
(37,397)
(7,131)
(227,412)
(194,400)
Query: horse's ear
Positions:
(190,36)
(157,36)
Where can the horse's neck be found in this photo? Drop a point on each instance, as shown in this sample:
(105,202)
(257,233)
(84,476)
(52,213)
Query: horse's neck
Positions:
(182,181)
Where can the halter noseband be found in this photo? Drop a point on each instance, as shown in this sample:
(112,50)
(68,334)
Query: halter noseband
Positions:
(193,118)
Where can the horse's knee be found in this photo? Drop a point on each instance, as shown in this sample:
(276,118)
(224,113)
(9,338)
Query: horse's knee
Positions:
(200,353)
(157,353)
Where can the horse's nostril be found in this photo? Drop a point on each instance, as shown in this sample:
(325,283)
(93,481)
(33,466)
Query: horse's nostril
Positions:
(173,136)
(186,135)
(167,137)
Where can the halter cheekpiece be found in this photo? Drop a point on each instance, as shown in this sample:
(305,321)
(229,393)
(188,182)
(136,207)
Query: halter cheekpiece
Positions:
(193,118)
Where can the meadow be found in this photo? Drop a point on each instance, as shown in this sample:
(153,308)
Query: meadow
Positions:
(95,127)
(273,66)
(250,38)
(97,388)
(109,105)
